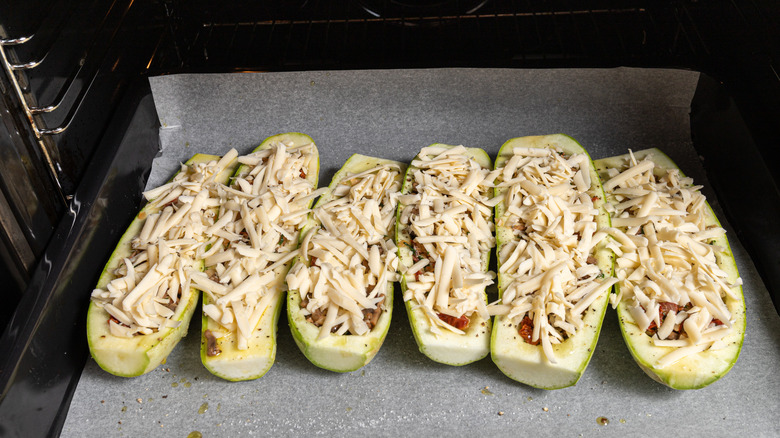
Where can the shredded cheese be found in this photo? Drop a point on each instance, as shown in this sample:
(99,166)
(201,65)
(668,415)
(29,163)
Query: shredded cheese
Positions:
(448,231)
(548,271)
(266,206)
(348,260)
(152,284)
(670,281)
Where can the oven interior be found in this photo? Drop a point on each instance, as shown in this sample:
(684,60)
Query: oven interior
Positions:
(79,128)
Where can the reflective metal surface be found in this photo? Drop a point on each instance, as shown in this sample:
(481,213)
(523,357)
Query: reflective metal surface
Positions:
(43,347)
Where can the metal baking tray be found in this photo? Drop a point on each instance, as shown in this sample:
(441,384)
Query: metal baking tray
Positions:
(392,114)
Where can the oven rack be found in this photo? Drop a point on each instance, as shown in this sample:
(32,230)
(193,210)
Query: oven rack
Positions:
(338,35)
(63,68)
(55,60)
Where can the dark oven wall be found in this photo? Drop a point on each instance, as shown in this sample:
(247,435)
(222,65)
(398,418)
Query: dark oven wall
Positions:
(65,66)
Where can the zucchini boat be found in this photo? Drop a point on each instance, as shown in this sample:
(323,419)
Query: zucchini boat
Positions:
(679,299)
(252,247)
(144,301)
(554,271)
(444,237)
(340,298)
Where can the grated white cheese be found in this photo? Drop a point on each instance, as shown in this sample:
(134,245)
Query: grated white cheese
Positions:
(267,205)
(152,283)
(548,271)
(448,231)
(348,260)
(670,280)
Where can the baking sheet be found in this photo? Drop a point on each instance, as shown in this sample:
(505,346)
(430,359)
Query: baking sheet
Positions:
(392,114)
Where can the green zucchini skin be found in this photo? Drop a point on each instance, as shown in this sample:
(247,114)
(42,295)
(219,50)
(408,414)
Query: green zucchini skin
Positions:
(702,369)
(131,357)
(446,348)
(339,353)
(517,359)
(233,364)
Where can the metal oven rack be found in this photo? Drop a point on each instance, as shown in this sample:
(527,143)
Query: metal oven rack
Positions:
(382,34)
(62,69)
(307,34)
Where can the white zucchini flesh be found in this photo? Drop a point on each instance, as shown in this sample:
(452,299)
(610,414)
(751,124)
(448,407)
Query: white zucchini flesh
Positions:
(346,352)
(139,354)
(700,369)
(518,359)
(445,347)
(236,364)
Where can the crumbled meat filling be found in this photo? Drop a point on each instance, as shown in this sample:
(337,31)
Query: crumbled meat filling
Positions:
(211,344)
(317,317)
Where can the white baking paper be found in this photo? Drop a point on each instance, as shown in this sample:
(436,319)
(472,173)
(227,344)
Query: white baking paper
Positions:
(392,114)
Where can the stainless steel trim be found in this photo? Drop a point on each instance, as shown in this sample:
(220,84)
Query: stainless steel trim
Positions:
(15,41)
(51,166)
(31,108)
(27,65)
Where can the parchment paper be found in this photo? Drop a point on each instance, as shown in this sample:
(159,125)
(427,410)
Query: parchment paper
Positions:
(392,114)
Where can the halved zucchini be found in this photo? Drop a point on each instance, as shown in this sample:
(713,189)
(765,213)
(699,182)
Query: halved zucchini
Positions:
(517,344)
(137,354)
(226,352)
(709,342)
(466,254)
(368,187)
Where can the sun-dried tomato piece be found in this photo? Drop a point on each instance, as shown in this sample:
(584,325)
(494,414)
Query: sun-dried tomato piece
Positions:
(459,323)
(526,330)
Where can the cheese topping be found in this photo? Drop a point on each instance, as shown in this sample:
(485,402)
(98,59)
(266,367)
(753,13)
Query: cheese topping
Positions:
(548,272)
(254,241)
(448,231)
(347,261)
(152,284)
(667,265)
